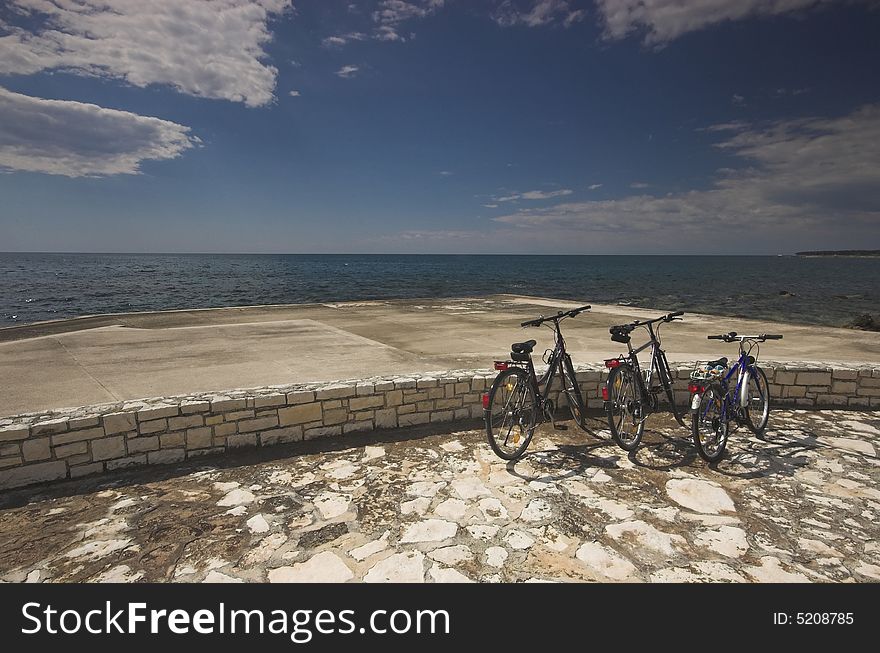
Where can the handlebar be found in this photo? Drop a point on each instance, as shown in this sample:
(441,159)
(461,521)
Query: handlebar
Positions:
(555,318)
(733,337)
(626,328)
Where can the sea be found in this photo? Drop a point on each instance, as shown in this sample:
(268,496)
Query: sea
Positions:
(806,290)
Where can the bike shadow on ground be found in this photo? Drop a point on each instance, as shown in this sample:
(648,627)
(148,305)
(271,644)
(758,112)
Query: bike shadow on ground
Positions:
(566,459)
(780,453)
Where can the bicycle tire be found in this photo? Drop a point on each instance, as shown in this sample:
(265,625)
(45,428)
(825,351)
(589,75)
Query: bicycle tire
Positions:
(621,385)
(757,426)
(712,451)
(577,403)
(511,384)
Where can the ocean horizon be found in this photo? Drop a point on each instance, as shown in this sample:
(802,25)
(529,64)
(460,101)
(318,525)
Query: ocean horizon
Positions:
(828,291)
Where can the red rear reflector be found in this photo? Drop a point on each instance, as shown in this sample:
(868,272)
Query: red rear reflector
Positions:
(605,393)
(696,389)
(500,365)
(611,364)
(485,400)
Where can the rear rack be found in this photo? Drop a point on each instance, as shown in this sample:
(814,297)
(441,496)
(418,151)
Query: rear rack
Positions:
(703,372)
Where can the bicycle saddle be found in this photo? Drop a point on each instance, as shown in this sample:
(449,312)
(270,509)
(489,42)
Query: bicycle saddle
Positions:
(721,361)
(620,333)
(523,347)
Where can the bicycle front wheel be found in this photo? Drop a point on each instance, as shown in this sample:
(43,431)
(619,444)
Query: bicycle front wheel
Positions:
(511,414)
(708,425)
(624,410)
(757,401)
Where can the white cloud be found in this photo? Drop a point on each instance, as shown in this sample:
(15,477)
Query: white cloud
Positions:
(295,94)
(347,72)
(639,185)
(662,21)
(341,39)
(206,48)
(738,100)
(817,174)
(491,206)
(446,173)
(61,137)
(594,186)
(534,195)
(535,13)
(391,12)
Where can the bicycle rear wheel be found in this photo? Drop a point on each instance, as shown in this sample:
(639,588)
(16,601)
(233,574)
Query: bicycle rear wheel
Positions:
(708,425)
(624,409)
(511,414)
(757,401)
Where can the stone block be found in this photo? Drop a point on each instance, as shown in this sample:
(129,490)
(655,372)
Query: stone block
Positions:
(404,384)
(192,407)
(332,417)
(166,456)
(173,440)
(338,391)
(814,378)
(301,414)
(158,412)
(108,448)
(50,427)
(413,419)
(281,436)
(199,438)
(363,403)
(831,400)
(386,418)
(227,405)
(270,401)
(143,443)
(241,440)
(30,474)
(119,423)
(238,415)
(211,420)
(364,389)
(427,382)
(259,424)
(36,449)
(442,416)
(300,397)
(322,432)
(73,449)
(185,422)
(844,387)
(78,471)
(130,461)
(83,422)
(10,461)
(847,375)
(352,427)
(153,426)
(224,430)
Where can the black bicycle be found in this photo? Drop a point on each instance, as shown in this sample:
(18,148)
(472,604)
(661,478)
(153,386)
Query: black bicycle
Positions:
(518,400)
(631,394)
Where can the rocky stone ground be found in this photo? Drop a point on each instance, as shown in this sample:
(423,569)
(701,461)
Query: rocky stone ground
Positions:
(801,505)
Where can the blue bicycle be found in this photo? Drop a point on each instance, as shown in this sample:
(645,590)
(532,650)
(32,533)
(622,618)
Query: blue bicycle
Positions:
(721,394)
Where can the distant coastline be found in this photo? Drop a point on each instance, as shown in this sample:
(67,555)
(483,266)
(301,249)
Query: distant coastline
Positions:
(857,253)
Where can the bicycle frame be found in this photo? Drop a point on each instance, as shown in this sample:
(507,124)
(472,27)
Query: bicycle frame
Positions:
(555,364)
(659,364)
(743,369)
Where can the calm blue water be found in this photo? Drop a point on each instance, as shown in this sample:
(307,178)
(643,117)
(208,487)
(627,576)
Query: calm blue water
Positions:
(828,291)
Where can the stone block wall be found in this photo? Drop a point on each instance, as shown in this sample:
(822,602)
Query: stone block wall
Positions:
(72,443)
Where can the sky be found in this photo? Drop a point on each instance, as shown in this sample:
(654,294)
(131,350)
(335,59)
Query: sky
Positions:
(440,126)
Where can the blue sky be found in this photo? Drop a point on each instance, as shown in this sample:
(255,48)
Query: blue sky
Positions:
(530,126)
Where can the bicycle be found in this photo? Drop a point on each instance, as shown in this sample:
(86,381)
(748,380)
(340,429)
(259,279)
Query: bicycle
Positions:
(715,402)
(628,394)
(515,402)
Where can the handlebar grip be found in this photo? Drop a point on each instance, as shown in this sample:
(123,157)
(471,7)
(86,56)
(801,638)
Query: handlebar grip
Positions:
(714,337)
(676,314)
(769,337)
(529,323)
(583,308)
